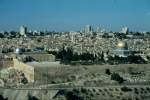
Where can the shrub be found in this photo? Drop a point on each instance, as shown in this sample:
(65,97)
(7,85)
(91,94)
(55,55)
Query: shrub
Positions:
(32,98)
(117,77)
(2,98)
(126,89)
(107,71)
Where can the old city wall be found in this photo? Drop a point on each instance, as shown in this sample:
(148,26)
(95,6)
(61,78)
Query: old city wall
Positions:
(28,70)
(42,57)
(6,63)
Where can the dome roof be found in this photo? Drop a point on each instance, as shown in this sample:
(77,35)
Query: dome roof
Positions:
(17,51)
(121,44)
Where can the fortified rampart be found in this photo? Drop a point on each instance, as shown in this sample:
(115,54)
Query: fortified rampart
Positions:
(6,63)
(27,69)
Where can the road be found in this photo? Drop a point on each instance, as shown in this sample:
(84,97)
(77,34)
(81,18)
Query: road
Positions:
(73,87)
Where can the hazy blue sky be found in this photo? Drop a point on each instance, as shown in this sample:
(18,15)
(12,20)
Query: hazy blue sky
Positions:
(72,15)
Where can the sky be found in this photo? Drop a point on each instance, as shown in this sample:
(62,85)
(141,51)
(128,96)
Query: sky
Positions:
(72,15)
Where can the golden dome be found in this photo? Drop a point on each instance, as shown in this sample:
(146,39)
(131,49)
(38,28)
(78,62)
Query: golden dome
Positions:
(121,44)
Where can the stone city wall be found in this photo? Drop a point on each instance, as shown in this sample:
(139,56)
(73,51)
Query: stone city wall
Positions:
(28,70)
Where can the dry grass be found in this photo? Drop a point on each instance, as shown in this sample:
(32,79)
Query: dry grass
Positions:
(94,74)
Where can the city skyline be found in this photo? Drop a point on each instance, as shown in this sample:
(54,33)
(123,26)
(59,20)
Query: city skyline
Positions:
(73,15)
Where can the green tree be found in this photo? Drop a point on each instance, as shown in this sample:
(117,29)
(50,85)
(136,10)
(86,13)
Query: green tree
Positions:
(117,77)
